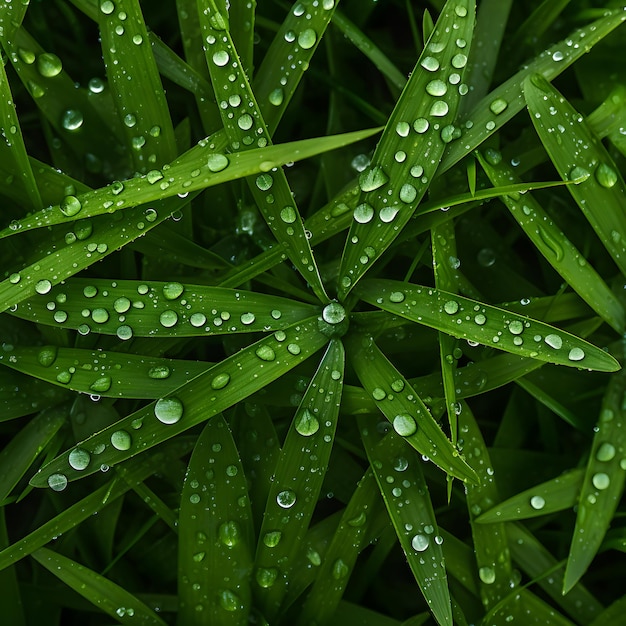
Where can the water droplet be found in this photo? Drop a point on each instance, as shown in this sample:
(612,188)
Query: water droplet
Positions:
(57,482)
(293,348)
(286,499)
(396,296)
(266,576)
(498,106)
(334,313)
(378,394)
(404,425)
(554,341)
(306,424)
(516,327)
(340,569)
(420,543)
(579,174)
(124,332)
(439,109)
(121,305)
(372,179)
(314,557)
(168,318)
(606,176)
(459,61)
(43,286)
(576,354)
(436,88)
(408,193)
(601,481)
(537,502)
(264,182)
(159,372)
(557,56)
(276,97)
(217,162)
(605,452)
(72,119)
(245,121)
(487,575)
(121,440)
(107,7)
(363,213)
(247,318)
(70,206)
(265,353)
(168,410)
(451,307)
(272,538)
(49,65)
(47,356)
(229,600)
(307,38)
(288,215)
(197,320)
(220,381)
(221,58)
(229,533)
(403,129)
(430,63)
(79,459)
(101,385)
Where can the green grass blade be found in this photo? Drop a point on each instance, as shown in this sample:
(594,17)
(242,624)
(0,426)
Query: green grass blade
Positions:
(405,492)
(288,57)
(12,150)
(140,102)
(13,610)
(507,100)
(109,597)
(613,615)
(414,139)
(403,407)
(555,246)
(246,129)
(338,562)
(297,481)
(602,485)
(216,536)
(578,155)
(229,381)
(526,608)
(128,475)
(485,324)
(20,453)
(160,308)
(11,17)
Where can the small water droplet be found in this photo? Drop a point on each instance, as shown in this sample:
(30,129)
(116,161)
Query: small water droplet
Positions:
(264,182)
(221,58)
(272,538)
(288,215)
(606,452)
(70,206)
(606,175)
(436,88)
(363,213)
(43,286)
(57,482)
(101,385)
(576,354)
(408,193)
(340,569)
(439,109)
(554,341)
(229,533)
(47,356)
(159,372)
(266,576)
(420,543)
(79,459)
(487,575)
(537,503)
(229,600)
(286,499)
(404,425)
(276,97)
(49,65)
(168,318)
(306,424)
(220,381)
(499,105)
(372,179)
(121,440)
(72,119)
(451,307)
(601,481)
(265,353)
(217,162)
(430,63)
(168,410)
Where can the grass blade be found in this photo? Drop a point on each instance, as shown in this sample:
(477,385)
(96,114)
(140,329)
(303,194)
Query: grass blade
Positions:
(485,324)
(578,155)
(216,536)
(112,599)
(229,381)
(602,485)
(403,407)
(409,152)
(405,492)
(555,246)
(297,481)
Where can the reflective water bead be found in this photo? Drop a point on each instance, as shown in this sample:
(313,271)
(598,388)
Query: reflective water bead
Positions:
(266,576)
(403,129)
(333,313)
(101,385)
(220,381)
(107,7)
(288,215)
(272,538)
(171,291)
(221,58)
(480,319)
(487,575)
(43,286)
(576,354)
(340,569)
(420,125)
(245,121)
(168,410)
(264,182)
(436,88)
(606,176)
(363,213)
(47,356)
(516,327)
(430,63)
(168,318)
(57,482)
(307,38)
(122,305)
(159,372)
(579,174)
(197,320)
(124,332)
(306,424)
(601,481)
(420,543)
(229,533)
(70,206)
(229,600)
(372,179)
(417,171)
(408,193)
(554,341)
(404,425)
(286,499)
(217,162)
(459,61)
(276,96)
(606,452)
(439,109)
(49,65)
(121,440)
(265,353)
(498,106)
(537,503)
(451,307)
(461,11)
(72,119)
(79,459)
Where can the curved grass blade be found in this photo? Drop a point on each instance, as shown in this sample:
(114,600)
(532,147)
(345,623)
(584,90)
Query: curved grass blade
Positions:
(245,129)
(111,598)
(11,18)
(613,615)
(230,381)
(288,57)
(297,481)
(153,309)
(13,153)
(403,407)
(507,100)
(557,494)
(405,492)
(333,570)
(491,546)
(197,169)
(216,536)
(105,373)
(136,86)
(128,475)
(522,606)
(414,139)
(603,484)
(555,246)
(485,324)
(579,155)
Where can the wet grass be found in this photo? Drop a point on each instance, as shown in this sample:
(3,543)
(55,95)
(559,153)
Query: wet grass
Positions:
(312,314)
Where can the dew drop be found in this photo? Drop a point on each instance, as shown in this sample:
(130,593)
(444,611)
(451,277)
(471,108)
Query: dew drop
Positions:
(601,481)
(47,356)
(288,215)
(334,313)
(101,385)
(121,440)
(168,318)
(436,88)
(451,307)
(159,372)
(606,452)
(121,305)
(79,459)
(229,533)
(459,61)
(487,575)
(516,327)
(404,425)
(217,162)
(537,503)
(576,354)
(57,482)
(124,332)
(554,341)
(307,39)
(403,129)
(420,543)
(363,213)
(579,174)
(286,499)
(439,108)
(220,381)
(197,320)
(606,176)
(276,97)
(408,193)
(266,576)
(372,179)
(306,424)
(229,600)
(168,410)
(70,206)
(49,65)
(264,182)
(430,63)
(340,569)
(498,106)
(265,353)
(43,286)
(272,538)
(221,58)
(72,119)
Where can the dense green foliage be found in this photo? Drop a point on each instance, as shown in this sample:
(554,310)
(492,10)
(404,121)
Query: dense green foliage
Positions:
(290,338)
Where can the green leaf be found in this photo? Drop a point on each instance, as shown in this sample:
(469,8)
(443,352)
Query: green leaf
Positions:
(603,484)
(246,129)
(229,381)
(405,492)
(485,324)
(403,408)
(111,598)
(579,155)
(216,536)
(297,480)
(414,139)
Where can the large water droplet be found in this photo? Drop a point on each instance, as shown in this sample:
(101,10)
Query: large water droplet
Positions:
(286,499)
(601,481)
(420,543)
(49,65)
(605,452)
(372,179)
(79,459)
(70,206)
(430,63)
(217,162)
(272,538)
(43,286)
(220,381)
(404,425)
(72,119)
(436,88)
(159,372)
(537,503)
(121,440)
(363,213)
(57,482)
(451,307)
(221,58)
(306,423)
(340,569)
(498,106)
(334,313)
(606,175)
(554,341)
(576,354)
(47,356)
(266,576)
(168,410)
(265,353)
(307,38)
(487,575)
(229,533)
(229,600)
